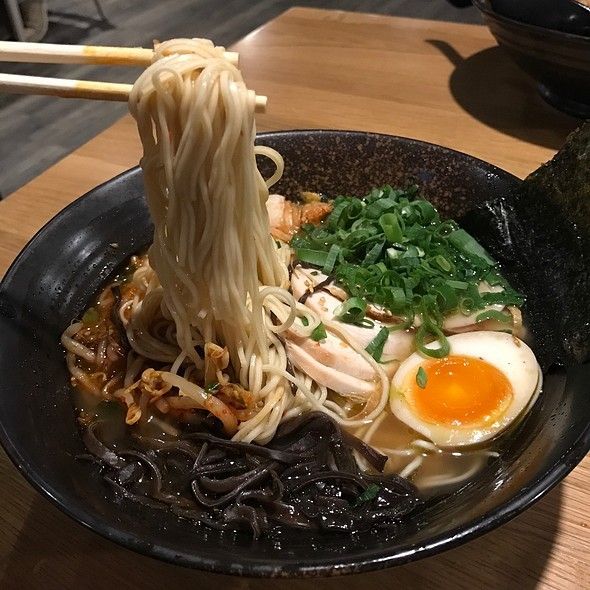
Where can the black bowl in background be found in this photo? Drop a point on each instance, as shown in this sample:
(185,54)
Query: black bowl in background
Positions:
(67,262)
(549,45)
(559,15)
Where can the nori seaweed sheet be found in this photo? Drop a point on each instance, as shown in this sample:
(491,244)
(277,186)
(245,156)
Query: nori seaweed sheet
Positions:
(541,237)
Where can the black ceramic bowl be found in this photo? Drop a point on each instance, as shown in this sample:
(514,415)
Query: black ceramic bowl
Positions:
(552,46)
(67,262)
(559,15)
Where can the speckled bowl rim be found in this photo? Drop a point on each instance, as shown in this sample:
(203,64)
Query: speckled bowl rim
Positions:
(378,559)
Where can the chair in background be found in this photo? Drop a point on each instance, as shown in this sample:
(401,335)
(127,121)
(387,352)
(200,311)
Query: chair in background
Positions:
(28,19)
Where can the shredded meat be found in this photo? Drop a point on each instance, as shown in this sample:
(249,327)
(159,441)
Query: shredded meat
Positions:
(236,396)
(103,337)
(216,360)
(286,217)
(315,212)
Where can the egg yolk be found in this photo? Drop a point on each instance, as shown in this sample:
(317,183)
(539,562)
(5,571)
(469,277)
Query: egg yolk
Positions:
(461,391)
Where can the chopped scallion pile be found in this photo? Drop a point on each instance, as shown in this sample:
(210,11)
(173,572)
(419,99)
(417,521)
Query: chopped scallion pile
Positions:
(392,249)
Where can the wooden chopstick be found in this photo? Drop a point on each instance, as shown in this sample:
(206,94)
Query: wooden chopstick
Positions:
(53,53)
(19,84)
(65,88)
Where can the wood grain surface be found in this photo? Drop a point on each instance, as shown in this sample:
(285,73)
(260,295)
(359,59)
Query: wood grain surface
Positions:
(444,83)
(62,126)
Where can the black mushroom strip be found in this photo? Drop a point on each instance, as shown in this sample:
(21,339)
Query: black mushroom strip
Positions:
(306,478)
(321,285)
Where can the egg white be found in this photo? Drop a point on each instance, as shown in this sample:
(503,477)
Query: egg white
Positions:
(507,353)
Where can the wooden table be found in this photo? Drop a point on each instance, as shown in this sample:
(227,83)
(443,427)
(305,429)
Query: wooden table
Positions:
(443,83)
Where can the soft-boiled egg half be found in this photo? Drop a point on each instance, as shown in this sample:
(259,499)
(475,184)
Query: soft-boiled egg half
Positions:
(485,383)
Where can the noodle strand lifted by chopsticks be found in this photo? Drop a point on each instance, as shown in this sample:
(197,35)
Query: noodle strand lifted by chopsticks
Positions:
(215,271)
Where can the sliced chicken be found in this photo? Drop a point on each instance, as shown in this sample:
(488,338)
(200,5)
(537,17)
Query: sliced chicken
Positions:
(459,322)
(335,353)
(342,383)
(332,361)
(398,346)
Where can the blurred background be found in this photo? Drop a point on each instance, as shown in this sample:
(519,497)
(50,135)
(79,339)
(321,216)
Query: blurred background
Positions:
(61,126)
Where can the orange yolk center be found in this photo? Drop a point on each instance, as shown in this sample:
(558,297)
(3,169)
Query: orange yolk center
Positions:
(461,391)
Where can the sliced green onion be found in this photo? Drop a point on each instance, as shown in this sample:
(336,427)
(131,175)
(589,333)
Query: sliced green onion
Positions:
(331,259)
(393,253)
(493,314)
(319,333)
(493,279)
(376,193)
(468,246)
(354,210)
(404,325)
(315,257)
(375,347)
(391,227)
(466,305)
(446,297)
(504,297)
(335,216)
(472,294)
(304,321)
(443,263)
(444,346)
(352,311)
(91,317)
(421,378)
(212,387)
(373,254)
(376,209)
(460,285)
(369,494)
(413,252)
(427,211)
(445,228)
(397,298)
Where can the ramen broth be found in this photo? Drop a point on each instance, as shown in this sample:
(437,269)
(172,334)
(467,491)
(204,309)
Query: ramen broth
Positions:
(431,469)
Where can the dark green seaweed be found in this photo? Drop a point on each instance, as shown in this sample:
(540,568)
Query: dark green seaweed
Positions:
(541,236)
